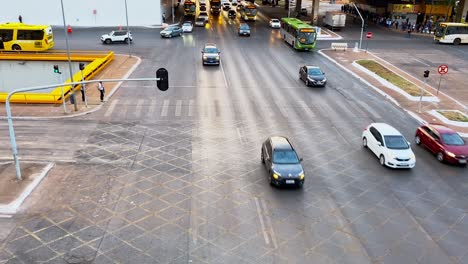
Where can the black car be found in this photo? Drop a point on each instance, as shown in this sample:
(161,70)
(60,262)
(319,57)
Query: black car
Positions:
(312,75)
(282,163)
(232,14)
(210,54)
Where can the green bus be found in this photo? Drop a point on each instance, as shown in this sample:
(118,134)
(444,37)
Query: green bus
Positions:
(298,33)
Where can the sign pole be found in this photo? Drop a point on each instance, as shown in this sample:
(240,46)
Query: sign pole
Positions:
(438,87)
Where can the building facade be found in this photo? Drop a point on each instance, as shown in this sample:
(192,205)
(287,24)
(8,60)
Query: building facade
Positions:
(84,13)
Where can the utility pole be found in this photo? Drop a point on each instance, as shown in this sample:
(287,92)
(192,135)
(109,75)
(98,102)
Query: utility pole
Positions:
(362,26)
(423,90)
(69,59)
(128,30)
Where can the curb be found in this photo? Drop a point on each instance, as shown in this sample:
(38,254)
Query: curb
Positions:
(13,207)
(129,72)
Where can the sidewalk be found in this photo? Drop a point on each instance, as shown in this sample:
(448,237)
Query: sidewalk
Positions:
(121,66)
(346,59)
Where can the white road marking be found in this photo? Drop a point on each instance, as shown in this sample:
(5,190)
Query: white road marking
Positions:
(178,107)
(190,108)
(272,233)
(165,107)
(265,235)
(240,136)
(138,107)
(111,108)
(224,75)
(420,61)
(307,109)
(152,107)
(371,111)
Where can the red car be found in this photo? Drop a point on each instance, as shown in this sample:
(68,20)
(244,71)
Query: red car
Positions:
(445,143)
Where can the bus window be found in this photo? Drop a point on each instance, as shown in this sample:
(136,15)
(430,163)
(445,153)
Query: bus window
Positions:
(30,35)
(6,34)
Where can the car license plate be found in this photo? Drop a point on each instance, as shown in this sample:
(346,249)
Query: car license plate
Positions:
(289,181)
(462,161)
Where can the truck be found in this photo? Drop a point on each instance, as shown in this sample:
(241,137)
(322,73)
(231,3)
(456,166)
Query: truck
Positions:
(334,20)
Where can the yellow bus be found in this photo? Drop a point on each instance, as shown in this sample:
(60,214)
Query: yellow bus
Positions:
(19,36)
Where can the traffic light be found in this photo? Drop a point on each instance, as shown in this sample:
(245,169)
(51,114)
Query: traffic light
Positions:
(163,76)
(426,73)
(56,69)
(81,66)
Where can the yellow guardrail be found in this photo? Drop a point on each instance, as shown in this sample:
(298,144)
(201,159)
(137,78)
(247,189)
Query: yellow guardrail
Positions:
(97,63)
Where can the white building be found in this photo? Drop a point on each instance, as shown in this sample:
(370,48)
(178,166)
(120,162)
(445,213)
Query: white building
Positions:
(84,13)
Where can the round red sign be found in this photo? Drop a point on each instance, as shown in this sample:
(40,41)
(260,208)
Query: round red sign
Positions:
(369,35)
(443,69)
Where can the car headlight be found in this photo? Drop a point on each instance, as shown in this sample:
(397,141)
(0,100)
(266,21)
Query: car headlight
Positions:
(205,57)
(310,79)
(301,176)
(412,156)
(217,58)
(391,156)
(450,154)
(276,175)
(324,80)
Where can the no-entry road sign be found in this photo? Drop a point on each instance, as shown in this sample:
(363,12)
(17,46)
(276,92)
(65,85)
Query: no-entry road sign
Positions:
(369,35)
(443,69)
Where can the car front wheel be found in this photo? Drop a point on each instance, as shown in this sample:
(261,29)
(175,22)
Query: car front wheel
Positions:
(417,140)
(382,160)
(263,157)
(364,142)
(440,156)
(307,82)
(108,41)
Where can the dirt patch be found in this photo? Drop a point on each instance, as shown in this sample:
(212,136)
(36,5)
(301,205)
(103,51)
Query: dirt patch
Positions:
(454,116)
(392,77)
(10,189)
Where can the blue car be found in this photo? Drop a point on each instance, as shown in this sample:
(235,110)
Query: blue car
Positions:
(172,31)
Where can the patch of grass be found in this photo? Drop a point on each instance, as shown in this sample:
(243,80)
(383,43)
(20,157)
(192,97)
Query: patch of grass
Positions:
(454,116)
(392,77)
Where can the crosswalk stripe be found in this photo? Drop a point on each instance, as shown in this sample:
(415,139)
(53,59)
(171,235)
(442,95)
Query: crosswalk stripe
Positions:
(178,107)
(190,109)
(152,107)
(165,107)
(306,108)
(111,108)
(138,107)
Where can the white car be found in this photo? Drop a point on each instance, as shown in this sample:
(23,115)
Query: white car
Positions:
(204,15)
(117,36)
(275,23)
(187,27)
(389,145)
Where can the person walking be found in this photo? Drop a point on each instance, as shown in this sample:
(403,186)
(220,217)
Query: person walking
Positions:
(101,91)
(83,92)
(164,17)
(20,18)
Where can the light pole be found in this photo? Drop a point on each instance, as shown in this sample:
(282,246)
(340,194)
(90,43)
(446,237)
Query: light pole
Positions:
(172,11)
(289,8)
(69,59)
(362,27)
(423,89)
(128,31)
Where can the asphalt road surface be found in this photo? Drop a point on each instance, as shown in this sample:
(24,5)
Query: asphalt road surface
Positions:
(176,177)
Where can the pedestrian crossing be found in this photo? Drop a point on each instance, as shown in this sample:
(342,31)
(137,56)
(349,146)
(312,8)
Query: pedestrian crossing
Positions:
(214,109)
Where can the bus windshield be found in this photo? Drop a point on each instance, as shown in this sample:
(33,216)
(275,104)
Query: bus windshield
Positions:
(251,12)
(306,37)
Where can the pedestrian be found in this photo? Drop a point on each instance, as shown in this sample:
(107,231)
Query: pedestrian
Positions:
(409,32)
(83,92)
(164,17)
(20,18)
(396,25)
(101,91)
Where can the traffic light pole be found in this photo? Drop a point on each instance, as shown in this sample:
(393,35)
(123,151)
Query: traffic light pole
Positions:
(362,26)
(69,59)
(11,129)
(63,94)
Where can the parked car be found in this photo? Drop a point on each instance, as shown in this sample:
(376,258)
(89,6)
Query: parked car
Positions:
(187,26)
(445,143)
(200,22)
(389,145)
(204,15)
(282,162)
(244,30)
(312,75)
(232,13)
(275,23)
(172,31)
(117,36)
(226,6)
(210,54)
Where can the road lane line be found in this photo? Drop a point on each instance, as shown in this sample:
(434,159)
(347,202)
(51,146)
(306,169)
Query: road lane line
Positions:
(420,61)
(165,107)
(270,226)
(265,235)
(371,111)
(138,107)
(111,108)
(240,136)
(309,111)
(224,75)
(152,107)
(190,108)
(178,107)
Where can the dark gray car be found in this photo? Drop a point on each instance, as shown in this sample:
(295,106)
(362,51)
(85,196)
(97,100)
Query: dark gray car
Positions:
(244,30)
(210,55)
(171,31)
(282,163)
(312,75)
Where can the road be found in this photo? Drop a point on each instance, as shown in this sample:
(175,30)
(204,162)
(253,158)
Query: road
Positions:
(176,177)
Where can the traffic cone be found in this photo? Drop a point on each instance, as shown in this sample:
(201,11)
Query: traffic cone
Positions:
(69,29)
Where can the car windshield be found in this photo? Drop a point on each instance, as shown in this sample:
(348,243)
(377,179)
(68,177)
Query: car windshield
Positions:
(187,24)
(275,20)
(452,139)
(200,19)
(314,71)
(244,27)
(211,50)
(285,157)
(396,142)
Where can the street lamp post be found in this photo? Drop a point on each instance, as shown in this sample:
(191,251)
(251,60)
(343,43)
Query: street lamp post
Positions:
(128,30)
(362,26)
(69,59)
(173,12)
(289,8)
